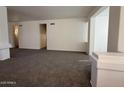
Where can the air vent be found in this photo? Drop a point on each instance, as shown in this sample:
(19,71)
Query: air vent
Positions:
(20,25)
(52,23)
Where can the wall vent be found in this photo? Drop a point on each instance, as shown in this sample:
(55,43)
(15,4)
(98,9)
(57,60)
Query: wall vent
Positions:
(52,23)
(20,25)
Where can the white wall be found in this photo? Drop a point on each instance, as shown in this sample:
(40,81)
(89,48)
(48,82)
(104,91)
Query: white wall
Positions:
(29,35)
(121,31)
(3,26)
(4,39)
(116,29)
(98,31)
(101,34)
(11,33)
(91,35)
(66,34)
(114,19)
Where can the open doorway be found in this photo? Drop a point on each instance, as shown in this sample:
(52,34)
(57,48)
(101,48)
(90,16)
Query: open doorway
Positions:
(99,31)
(16,35)
(43,36)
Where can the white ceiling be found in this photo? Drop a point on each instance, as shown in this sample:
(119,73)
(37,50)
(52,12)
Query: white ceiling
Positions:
(23,13)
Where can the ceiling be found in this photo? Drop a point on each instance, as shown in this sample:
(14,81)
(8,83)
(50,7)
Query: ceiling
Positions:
(24,13)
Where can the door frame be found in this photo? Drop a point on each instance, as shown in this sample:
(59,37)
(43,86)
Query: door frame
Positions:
(40,34)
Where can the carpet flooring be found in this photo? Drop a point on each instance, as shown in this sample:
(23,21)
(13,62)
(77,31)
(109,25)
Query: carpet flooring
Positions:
(42,68)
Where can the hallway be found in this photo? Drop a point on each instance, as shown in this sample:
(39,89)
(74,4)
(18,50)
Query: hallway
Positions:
(46,68)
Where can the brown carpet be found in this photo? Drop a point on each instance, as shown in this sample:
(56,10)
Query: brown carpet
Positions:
(41,68)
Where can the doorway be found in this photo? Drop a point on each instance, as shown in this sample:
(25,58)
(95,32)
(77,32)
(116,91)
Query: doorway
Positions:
(43,36)
(99,31)
(16,36)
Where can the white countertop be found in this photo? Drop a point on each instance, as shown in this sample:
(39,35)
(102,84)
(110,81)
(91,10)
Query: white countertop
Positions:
(99,55)
(109,60)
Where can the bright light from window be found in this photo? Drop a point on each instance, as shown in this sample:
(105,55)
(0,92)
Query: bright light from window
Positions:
(16,31)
